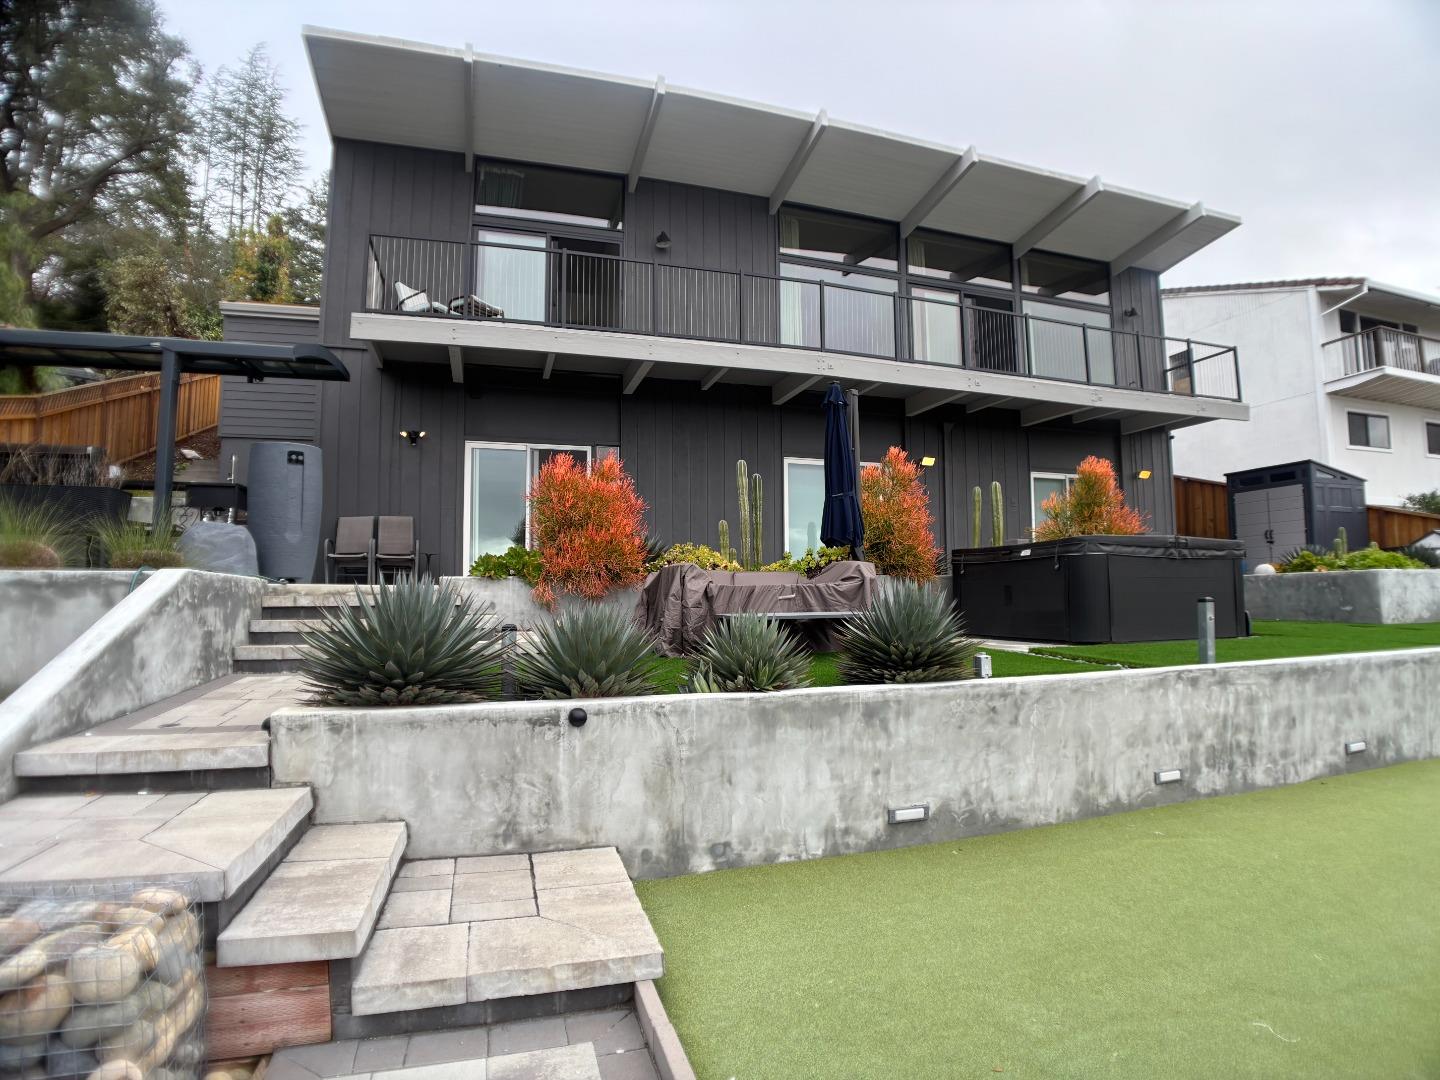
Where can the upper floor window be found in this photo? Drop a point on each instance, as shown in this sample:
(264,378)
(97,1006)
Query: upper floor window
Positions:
(1064,277)
(959,258)
(541,193)
(838,238)
(1432,438)
(1370,431)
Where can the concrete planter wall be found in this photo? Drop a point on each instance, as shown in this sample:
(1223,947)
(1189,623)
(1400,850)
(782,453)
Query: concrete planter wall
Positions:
(512,602)
(689,783)
(43,611)
(1354,596)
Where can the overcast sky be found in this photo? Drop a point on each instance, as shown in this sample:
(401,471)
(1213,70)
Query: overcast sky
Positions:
(1315,121)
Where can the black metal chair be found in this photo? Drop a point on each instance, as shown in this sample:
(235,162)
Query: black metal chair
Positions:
(395,550)
(353,549)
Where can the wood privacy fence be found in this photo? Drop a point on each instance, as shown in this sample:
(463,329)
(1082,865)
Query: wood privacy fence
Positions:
(117,414)
(1201,509)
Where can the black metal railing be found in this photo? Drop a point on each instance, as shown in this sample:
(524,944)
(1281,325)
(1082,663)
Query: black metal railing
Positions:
(591,291)
(1381,347)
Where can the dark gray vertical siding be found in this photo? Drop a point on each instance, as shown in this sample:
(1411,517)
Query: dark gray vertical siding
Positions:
(1139,363)
(277,409)
(718,230)
(1155,497)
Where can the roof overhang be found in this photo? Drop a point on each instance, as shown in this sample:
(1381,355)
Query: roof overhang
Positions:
(1395,386)
(1383,301)
(118,352)
(632,358)
(388,90)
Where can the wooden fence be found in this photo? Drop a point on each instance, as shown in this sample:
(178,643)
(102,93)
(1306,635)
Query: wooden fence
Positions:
(117,414)
(1201,509)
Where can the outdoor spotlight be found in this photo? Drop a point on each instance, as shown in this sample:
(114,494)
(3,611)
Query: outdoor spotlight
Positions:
(927,461)
(1143,474)
(1356,747)
(413,435)
(662,241)
(898,815)
(1167,776)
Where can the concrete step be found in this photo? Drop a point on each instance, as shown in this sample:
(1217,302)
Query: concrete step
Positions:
(448,1056)
(285,625)
(144,753)
(266,659)
(471,930)
(218,840)
(321,902)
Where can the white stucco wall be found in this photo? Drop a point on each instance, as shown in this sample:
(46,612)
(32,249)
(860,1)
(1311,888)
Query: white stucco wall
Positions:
(1405,469)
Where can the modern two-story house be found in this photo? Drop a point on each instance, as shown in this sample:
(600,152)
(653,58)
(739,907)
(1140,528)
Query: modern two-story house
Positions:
(1340,370)
(525,259)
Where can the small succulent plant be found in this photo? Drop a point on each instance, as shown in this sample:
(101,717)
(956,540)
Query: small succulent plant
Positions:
(593,651)
(910,634)
(749,652)
(413,643)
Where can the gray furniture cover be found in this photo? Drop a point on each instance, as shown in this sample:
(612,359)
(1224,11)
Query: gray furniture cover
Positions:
(679,603)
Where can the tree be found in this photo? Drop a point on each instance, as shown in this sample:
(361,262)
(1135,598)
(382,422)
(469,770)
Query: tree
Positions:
(1427,502)
(305,225)
(1094,506)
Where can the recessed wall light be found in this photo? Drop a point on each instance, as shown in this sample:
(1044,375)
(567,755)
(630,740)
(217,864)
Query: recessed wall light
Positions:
(1167,776)
(899,815)
(927,461)
(1143,474)
(1356,747)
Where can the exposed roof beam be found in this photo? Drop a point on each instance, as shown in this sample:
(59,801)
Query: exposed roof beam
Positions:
(635,375)
(936,195)
(868,388)
(983,403)
(469,111)
(1067,209)
(1161,236)
(926,400)
(549,366)
(789,386)
(1085,416)
(1042,414)
(713,377)
(457,364)
(1133,425)
(642,144)
(1077,280)
(976,267)
(797,163)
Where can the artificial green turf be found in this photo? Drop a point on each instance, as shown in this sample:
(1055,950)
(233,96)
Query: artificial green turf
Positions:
(1270,640)
(824,670)
(1293,932)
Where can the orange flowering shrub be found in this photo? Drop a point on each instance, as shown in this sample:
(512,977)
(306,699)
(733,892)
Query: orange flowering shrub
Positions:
(588,527)
(1094,506)
(896,512)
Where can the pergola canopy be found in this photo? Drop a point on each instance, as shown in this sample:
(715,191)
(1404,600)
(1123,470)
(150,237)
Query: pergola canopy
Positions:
(387,90)
(117,352)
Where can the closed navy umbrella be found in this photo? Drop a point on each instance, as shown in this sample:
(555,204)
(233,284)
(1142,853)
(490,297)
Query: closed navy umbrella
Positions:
(840,522)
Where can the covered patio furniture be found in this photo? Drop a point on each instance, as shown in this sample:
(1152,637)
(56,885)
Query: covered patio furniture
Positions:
(415,301)
(475,308)
(395,546)
(353,549)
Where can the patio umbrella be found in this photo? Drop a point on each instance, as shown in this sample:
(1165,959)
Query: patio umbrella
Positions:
(840,522)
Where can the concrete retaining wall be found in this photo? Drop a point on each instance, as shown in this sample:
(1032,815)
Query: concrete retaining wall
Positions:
(174,632)
(1355,596)
(512,602)
(42,611)
(696,782)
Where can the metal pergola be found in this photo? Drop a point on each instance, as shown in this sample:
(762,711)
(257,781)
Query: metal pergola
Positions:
(171,357)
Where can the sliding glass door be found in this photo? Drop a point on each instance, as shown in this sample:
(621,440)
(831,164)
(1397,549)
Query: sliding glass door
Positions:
(497,481)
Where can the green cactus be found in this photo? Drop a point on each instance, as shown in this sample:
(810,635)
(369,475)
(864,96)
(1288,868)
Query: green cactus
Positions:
(977,499)
(742,489)
(725,549)
(1342,543)
(757,509)
(997,514)
(750,490)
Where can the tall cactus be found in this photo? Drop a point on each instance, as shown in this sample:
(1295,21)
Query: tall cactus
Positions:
(997,514)
(742,489)
(977,500)
(725,549)
(1342,542)
(757,510)
(750,490)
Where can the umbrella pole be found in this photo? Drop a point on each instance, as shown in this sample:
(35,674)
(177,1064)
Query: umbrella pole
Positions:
(852,407)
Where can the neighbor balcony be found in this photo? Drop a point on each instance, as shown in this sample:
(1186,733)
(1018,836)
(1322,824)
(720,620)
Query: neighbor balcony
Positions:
(906,345)
(1381,364)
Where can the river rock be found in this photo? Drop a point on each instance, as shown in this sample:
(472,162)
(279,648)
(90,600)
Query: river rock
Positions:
(118,1070)
(34,1009)
(61,945)
(16,932)
(127,917)
(161,901)
(65,1061)
(220,548)
(141,941)
(21,968)
(15,1056)
(131,1044)
(178,941)
(87,1024)
(100,974)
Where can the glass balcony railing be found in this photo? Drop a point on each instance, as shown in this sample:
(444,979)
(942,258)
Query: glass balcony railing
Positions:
(588,291)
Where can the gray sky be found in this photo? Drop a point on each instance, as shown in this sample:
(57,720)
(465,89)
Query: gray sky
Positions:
(1315,121)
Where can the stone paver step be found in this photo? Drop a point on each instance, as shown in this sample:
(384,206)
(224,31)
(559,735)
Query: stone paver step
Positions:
(321,902)
(481,929)
(569,1061)
(267,652)
(146,752)
(218,840)
(285,626)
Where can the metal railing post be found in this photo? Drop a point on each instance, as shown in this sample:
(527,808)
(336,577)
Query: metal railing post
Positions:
(561,315)
(740,336)
(1028,345)
(1190,362)
(469,252)
(899,327)
(822,314)
(1085,347)
(966,352)
(654,300)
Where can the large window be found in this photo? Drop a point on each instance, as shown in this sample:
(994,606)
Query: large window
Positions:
(804,503)
(1064,277)
(842,276)
(1042,486)
(510,273)
(541,193)
(858,242)
(959,258)
(1369,431)
(497,481)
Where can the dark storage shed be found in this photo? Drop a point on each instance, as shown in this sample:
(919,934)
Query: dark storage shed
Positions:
(1282,507)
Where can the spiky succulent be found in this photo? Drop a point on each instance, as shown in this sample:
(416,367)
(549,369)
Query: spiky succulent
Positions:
(749,652)
(593,651)
(910,634)
(413,643)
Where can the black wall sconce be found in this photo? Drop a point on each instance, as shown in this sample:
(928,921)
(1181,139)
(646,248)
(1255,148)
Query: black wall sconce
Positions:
(662,241)
(413,435)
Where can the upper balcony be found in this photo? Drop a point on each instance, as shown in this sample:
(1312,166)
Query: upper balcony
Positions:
(484,297)
(1382,364)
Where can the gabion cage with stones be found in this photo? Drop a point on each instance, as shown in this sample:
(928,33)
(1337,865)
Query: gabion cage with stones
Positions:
(101,982)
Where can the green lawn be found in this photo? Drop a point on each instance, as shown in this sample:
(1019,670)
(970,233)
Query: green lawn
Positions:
(1270,640)
(1293,932)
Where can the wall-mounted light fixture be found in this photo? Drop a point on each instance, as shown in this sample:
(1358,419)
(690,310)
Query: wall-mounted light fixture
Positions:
(1167,776)
(662,241)
(927,461)
(1143,474)
(899,815)
(1356,747)
(412,434)
(1130,312)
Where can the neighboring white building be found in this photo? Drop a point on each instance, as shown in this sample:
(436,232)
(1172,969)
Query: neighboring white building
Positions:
(1345,371)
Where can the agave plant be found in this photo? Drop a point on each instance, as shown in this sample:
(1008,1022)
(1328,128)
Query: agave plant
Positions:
(593,651)
(414,643)
(749,652)
(910,634)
